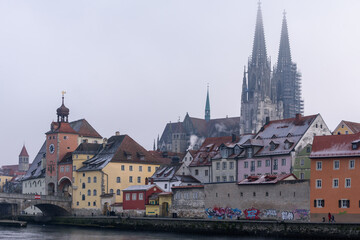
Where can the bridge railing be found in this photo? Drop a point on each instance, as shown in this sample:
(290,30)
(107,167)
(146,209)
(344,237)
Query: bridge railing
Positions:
(32,197)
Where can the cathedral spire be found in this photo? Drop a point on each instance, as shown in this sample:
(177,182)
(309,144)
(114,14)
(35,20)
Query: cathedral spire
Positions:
(207,106)
(259,55)
(244,88)
(284,57)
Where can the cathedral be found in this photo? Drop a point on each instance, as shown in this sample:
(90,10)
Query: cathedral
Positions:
(269,94)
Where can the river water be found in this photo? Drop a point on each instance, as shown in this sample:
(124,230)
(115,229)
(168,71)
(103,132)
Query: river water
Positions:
(50,232)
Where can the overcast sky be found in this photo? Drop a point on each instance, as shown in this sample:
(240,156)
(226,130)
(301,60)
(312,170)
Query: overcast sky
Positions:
(133,66)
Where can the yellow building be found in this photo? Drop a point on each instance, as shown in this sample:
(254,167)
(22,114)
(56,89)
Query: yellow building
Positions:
(102,171)
(346,127)
(159,204)
(3,180)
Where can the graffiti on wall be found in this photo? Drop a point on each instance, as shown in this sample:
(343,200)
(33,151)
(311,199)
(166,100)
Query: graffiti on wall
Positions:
(270,213)
(222,213)
(286,215)
(302,214)
(252,213)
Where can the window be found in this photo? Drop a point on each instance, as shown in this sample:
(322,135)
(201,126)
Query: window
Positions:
(266,194)
(139,179)
(335,183)
(344,203)
(206,172)
(118,179)
(77,203)
(283,162)
(94,192)
(83,185)
(319,165)
(241,194)
(254,194)
(352,164)
(217,179)
(224,165)
(74,168)
(122,168)
(267,163)
(258,163)
(165,186)
(196,172)
(231,165)
(149,169)
(195,195)
(118,192)
(275,164)
(319,203)
(246,176)
(252,168)
(111,190)
(249,152)
(302,162)
(347,182)
(302,175)
(65,137)
(133,197)
(94,203)
(141,196)
(336,164)
(89,192)
(89,179)
(83,197)
(318,183)
(217,166)
(231,178)
(130,168)
(95,179)
(130,179)
(67,169)
(246,164)
(140,168)
(224,179)
(127,196)
(346,132)
(308,149)
(83,174)
(62,169)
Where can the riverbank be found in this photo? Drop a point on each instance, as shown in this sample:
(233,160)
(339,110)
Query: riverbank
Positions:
(210,227)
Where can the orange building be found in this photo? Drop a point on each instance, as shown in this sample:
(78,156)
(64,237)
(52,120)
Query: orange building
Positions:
(334,182)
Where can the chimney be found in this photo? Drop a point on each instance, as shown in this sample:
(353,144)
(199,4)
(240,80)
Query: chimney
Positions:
(117,133)
(146,181)
(298,116)
(233,137)
(151,181)
(267,120)
(104,142)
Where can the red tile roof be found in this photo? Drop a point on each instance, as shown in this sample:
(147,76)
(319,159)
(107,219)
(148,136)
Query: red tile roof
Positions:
(23,152)
(267,179)
(354,127)
(335,146)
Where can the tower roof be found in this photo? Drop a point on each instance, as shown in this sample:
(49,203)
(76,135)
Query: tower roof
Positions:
(207,106)
(284,57)
(62,111)
(23,152)
(259,55)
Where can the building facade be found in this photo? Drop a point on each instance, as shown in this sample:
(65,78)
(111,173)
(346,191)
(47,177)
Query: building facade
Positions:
(333,184)
(347,127)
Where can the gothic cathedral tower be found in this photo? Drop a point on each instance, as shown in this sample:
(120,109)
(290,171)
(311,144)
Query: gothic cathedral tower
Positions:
(258,101)
(286,77)
(23,160)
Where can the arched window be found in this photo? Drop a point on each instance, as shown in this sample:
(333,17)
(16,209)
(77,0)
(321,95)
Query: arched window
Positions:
(83,197)
(83,185)
(89,192)
(118,179)
(94,192)
(39,183)
(95,179)
(111,190)
(89,179)
(118,192)
(34,184)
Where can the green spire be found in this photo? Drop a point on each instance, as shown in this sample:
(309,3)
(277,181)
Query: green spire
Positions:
(207,106)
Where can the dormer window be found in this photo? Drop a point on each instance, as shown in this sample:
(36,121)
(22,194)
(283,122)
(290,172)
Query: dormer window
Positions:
(287,145)
(354,146)
(224,152)
(237,150)
(249,152)
(274,136)
(272,146)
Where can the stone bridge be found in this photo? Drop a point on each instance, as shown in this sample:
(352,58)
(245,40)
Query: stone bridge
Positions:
(12,204)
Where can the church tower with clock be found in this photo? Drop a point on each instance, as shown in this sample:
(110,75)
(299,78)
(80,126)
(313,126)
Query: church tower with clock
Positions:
(60,140)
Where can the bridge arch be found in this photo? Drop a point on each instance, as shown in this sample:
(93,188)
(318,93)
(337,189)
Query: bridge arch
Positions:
(65,186)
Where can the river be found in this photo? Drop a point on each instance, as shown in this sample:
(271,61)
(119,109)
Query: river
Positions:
(51,232)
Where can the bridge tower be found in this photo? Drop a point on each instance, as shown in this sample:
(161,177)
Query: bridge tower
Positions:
(60,140)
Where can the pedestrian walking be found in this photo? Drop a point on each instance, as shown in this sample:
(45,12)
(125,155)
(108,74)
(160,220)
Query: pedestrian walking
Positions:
(329,216)
(332,218)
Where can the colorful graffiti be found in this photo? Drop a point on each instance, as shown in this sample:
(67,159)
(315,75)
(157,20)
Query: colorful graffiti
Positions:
(270,213)
(222,213)
(252,213)
(286,215)
(302,214)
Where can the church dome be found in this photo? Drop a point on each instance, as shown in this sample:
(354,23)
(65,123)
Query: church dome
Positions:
(62,110)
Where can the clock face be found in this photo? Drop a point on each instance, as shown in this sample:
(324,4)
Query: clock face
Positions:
(51,148)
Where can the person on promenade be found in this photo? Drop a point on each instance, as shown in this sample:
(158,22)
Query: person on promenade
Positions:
(329,216)
(332,218)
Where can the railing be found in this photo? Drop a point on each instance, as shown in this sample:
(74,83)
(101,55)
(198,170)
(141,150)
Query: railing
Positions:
(59,197)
